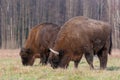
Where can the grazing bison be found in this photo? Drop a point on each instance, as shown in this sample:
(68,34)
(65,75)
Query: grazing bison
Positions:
(78,36)
(40,38)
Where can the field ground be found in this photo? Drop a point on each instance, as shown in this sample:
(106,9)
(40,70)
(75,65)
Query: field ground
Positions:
(12,69)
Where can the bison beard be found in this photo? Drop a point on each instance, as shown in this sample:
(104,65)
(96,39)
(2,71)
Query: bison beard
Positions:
(40,38)
(81,36)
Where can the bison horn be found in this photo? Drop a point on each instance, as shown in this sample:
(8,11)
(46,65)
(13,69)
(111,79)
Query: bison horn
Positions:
(55,52)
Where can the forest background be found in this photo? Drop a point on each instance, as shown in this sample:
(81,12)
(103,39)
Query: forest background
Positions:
(17,17)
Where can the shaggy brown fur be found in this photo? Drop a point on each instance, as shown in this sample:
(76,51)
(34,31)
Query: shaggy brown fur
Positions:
(78,36)
(40,38)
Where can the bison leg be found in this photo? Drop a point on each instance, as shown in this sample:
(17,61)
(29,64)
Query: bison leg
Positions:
(43,59)
(102,55)
(77,62)
(32,60)
(89,58)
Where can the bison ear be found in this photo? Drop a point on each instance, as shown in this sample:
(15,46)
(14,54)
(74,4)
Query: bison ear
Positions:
(53,51)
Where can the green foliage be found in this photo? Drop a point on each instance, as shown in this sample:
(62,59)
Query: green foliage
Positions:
(12,69)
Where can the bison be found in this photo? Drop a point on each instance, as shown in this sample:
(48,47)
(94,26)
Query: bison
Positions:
(81,36)
(40,38)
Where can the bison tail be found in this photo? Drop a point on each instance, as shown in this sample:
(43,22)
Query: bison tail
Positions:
(110,48)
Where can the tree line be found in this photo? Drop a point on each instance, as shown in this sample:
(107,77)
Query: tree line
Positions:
(17,17)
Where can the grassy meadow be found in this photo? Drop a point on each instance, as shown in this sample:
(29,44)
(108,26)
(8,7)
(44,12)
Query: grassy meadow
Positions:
(12,69)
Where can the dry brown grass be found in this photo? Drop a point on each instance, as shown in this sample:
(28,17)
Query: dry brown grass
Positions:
(7,53)
(116,53)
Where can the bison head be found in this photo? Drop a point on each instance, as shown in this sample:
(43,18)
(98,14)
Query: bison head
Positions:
(55,58)
(26,57)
